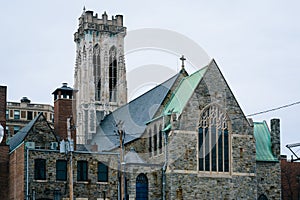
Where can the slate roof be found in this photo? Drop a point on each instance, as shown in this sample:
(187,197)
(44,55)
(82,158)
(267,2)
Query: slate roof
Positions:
(19,137)
(133,158)
(134,114)
(263,143)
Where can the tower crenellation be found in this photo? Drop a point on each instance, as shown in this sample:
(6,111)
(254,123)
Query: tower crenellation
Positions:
(100,72)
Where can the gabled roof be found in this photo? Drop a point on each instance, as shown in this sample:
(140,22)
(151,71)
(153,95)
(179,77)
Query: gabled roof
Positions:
(135,114)
(19,137)
(263,142)
(184,92)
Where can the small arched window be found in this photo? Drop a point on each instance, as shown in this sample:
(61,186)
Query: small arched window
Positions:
(113,74)
(97,72)
(213,140)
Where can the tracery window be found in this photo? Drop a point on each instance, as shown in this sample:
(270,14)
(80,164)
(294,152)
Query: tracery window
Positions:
(213,140)
(97,72)
(112,74)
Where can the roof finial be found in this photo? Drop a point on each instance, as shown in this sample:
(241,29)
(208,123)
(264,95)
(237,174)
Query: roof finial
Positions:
(83,8)
(182,60)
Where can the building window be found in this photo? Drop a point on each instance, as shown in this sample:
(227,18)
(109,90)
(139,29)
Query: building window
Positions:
(6,114)
(102,172)
(11,113)
(113,74)
(150,142)
(97,72)
(23,114)
(16,129)
(61,170)
(16,114)
(29,115)
(213,140)
(40,169)
(160,139)
(155,140)
(82,170)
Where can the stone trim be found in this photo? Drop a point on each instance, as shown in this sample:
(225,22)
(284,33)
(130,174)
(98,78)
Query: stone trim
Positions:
(184,132)
(242,136)
(242,174)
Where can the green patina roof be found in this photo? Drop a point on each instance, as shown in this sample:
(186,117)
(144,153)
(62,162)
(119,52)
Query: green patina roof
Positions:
(184,92)
(263,142)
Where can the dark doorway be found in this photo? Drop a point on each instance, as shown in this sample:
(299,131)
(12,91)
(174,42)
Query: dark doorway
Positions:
(141,187)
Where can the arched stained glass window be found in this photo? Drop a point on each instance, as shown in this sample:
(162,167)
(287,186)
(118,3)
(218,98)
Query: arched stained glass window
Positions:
(213,140)
(113,74)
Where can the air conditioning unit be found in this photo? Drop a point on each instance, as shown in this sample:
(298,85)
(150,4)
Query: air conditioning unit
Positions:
(54,145)
(30,145)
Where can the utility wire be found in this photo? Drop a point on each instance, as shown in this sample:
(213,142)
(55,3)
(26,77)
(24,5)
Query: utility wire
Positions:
(273,109)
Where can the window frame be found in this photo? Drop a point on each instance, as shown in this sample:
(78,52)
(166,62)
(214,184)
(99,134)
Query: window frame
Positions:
(214,128)
(82,170)
(61,170)
(40,169)
(102,171)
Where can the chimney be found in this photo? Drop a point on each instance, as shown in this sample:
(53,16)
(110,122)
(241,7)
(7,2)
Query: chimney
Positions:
(4,149)
(63,101)
(275,137)
(3,112)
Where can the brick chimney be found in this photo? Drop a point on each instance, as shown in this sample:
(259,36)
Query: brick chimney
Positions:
(275,137)
(63,101)
(4,149)
(3,111)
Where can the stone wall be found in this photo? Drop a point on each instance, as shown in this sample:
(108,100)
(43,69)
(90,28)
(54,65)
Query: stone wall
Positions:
(268,179)
(91,189)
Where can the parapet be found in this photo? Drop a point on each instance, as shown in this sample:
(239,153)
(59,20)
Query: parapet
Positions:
(90,22)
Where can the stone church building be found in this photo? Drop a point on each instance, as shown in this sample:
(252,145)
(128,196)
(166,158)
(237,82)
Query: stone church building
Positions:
(187,138)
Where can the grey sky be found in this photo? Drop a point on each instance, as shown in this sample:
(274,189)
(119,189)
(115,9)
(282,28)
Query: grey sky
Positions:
(255,43)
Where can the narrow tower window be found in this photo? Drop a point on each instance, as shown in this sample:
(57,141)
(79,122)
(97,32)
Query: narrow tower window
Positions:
(112,74)
(97,72)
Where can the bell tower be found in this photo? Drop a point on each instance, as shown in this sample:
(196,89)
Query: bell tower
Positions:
(100,74)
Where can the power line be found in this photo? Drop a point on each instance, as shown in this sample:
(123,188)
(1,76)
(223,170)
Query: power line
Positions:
(273,109)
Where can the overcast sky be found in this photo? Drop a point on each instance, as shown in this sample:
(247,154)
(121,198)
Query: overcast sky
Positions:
(256,44)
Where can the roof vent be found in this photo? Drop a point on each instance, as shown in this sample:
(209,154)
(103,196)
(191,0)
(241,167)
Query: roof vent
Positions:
(65,85)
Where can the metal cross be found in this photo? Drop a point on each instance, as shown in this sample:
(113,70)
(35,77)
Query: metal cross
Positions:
(182,60)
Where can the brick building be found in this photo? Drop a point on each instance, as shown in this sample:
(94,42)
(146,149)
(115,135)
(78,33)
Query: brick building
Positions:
(18,114)
(290,179)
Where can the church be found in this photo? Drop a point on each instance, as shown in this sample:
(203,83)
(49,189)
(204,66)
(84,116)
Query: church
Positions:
(186,138)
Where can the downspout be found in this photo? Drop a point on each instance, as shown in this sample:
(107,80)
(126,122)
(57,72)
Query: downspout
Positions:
(27,189)
(164,168)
